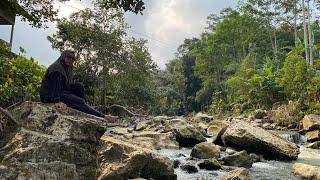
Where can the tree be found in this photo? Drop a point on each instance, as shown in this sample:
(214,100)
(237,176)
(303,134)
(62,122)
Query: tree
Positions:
(117,67)
(38,13)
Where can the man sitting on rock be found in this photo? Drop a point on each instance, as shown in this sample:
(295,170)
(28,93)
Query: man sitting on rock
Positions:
(57,87)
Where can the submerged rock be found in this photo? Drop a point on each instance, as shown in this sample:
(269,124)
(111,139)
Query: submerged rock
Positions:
(122,160)
(205,150)
(188,136)
(306,171)
(238,174)
(311,122)
(188,167)
(239,159)
(241,135)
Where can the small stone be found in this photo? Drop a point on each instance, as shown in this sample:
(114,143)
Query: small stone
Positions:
(141,126)
(209,164)
(176,163)
(306,171)
(230,151)
(254,158)
(205,150)
(188,167)
(238,174)
(239,159)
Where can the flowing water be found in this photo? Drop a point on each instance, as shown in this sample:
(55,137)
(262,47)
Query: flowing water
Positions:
(267,170)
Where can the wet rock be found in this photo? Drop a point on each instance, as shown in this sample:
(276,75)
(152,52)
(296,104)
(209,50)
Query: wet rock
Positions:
(209,164)
(239,159)
(205,150)
(254,158)
(238,174)
(311,122)
(123,160)
(188,136)
(188,167)
(241,135)
(313,136)
(306,171)
(315,145)
(176,163)
(50,144)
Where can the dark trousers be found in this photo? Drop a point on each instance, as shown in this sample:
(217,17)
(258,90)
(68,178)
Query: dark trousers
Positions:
(75,99)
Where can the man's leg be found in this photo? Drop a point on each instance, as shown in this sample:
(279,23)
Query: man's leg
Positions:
(78,103)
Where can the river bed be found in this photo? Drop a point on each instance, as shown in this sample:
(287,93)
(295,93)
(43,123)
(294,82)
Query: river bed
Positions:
(267,170)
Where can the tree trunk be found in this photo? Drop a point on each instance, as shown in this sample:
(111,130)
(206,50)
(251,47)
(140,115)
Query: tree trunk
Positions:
(310,35)
(305,37)
(295,24)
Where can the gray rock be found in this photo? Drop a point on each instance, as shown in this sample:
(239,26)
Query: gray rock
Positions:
(311,122)
(241,135)
(238,174)
(209,164)
(188,167)
(239,159)
(205,150)
(188,136)
(306,171)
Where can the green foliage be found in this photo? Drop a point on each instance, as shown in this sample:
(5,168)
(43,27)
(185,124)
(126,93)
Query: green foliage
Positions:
(296,77)
(20,79)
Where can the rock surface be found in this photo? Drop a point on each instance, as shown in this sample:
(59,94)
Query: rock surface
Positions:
(188,136)
(239,159)
(205,150)
(314,145)
(306,171)
(209,164)
(241,135)
(51,144)
(311,122)
(313,136)
(216,129)
(238,174)
(122,160)
(188,167)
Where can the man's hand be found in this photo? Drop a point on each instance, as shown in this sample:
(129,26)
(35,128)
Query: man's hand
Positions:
(60,105)
(111,119)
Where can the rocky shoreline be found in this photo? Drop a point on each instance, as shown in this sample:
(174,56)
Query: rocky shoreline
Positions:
(48,144)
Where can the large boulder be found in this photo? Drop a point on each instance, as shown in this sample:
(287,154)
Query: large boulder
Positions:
(306,171)
(239,159)
(205,150)
(188,136)
(238,174)
(155,140)
(241,135)
(123,160)
(311,122)
(313,136)
(209,164)
(50,144)
(216,129)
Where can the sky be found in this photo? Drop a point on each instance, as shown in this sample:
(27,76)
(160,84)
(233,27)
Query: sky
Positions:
(164,23)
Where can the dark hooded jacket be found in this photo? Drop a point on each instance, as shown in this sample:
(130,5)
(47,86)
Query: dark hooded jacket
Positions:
(57,79)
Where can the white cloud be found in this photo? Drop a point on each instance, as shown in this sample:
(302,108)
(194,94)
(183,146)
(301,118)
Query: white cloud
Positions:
(171,21)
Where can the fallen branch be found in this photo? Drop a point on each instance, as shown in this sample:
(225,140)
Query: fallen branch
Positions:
(8,115)
(126,110)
